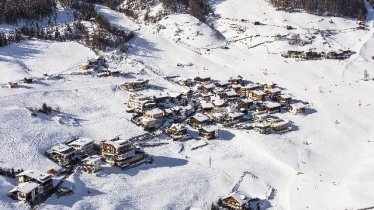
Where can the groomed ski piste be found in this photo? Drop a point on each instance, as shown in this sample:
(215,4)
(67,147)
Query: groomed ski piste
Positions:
(333,171)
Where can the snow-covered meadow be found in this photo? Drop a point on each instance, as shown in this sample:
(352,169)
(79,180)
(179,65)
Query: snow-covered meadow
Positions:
(337,167)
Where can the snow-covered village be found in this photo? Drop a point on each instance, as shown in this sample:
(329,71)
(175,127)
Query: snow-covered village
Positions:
(187,104)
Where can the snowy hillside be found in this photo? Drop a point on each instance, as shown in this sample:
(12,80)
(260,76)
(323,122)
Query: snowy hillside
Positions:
(326,162)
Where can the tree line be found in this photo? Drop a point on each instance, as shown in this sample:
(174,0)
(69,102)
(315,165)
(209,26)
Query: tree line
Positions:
(346,8)
(13,10)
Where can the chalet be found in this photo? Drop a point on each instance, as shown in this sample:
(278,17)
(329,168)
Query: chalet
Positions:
(140,104)
(222,84)
(260,116)
(236,88)
(279,125)
(257,95)
(206,88)
(152,119)
(206,97)
(234,117)
(177,130)
(186,82)
(62,154)
(267,85)
(199,120)
(55,170)
(219,117)
(163,98)
(201,79)
(102,74)
(235,201)
(284,99)
(236,80)
(27,80)
(26,192)
(114,73)
(209,132)
(135,85)
(91,164)
(273,92)
(248,89)
(12,85)
(297,108)
(262,128)
(206,107)
(219,103)
(245,104)
(272,107)
(83,146)
(169,112)
(120,153)
(154,113)
(45,180)
(219,92)
(31,185)
(231,96)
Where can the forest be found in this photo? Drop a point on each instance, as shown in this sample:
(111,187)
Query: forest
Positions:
(341,8)
(13,10)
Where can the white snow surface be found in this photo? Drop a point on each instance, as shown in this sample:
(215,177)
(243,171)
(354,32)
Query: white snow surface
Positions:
(336,168)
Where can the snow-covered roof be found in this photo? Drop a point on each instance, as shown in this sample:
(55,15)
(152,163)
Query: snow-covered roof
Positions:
(235,114)
(280,123)
(261,125)
(92,159)
(155,111)
(231,93)
(200,117)
(81,142)
(25,187)
(210,128)
(209,86)
(251,86)
(178,126)
(219,102)
(274,90)
(223,83)
(238,77)
(258,92)
(62,148)
(247,100)
(37,175)
(205,105)
(117,142)
(272,105)
(286,96)
(242,199)
(297,106)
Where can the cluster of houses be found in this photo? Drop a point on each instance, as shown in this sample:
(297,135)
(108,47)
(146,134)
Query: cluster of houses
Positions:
(311,55)
(209,104)
(100,66)
(84,152)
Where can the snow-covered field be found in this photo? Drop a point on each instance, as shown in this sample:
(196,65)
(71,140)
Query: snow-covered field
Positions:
(337,167)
